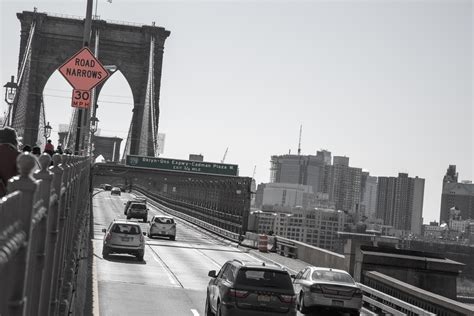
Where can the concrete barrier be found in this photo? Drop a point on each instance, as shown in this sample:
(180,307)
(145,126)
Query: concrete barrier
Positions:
(315,256)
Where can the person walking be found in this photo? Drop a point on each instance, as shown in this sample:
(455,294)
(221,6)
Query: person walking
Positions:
(8,154)
(49,148)
(36,151)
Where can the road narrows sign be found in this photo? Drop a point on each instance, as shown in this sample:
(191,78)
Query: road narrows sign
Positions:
(81,99)
(83,71)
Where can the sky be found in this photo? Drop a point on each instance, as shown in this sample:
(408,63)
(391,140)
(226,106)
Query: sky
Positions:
(386,83)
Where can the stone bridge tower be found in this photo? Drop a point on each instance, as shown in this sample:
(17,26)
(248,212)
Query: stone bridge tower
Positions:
(136,50)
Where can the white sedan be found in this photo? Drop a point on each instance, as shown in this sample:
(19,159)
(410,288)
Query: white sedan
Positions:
(161,225)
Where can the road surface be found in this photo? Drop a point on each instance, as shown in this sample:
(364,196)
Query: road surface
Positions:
(171,280)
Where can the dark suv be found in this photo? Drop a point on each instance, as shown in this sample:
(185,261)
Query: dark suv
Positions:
(136,209)
(244,288)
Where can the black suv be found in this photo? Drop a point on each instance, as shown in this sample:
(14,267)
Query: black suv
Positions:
(136,209)
(244,288)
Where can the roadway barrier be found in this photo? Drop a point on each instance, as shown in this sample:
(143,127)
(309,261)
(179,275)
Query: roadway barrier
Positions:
(263,243)
(43,237)
(395,294)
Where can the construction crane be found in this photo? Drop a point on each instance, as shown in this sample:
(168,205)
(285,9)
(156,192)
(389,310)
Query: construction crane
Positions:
(299,142)
(225,155)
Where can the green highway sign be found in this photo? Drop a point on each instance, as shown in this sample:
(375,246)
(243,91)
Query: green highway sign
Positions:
(182,165)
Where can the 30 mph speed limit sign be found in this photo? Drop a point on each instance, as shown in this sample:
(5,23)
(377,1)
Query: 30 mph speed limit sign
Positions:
(81,99)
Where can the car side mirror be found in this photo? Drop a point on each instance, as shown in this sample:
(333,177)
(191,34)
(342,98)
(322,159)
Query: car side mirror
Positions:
(104,230)
(144,233)
(212,274)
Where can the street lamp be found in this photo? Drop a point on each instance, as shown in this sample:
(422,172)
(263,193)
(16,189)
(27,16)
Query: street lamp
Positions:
(10,92)
(47,131)
(94,124)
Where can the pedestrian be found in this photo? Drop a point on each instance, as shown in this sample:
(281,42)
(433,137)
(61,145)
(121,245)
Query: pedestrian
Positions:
(26,148)
(49,148)
(36,151)
(59,149)
(8,154)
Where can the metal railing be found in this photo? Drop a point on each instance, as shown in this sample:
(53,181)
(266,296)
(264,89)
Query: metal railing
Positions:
(394,291)
(43,237)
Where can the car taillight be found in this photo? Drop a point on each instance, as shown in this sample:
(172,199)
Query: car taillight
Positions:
(108,237)
(316,288)
(238,293)
(289,299)
(357,293)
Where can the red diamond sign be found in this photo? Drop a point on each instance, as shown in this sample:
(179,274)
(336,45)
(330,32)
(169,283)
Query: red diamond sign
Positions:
(83,71)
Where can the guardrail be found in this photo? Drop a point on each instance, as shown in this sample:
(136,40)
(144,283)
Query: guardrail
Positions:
(398,291)
(214,229)
(385,303)
(43,237)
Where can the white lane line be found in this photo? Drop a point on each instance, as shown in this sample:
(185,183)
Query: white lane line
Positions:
(95,287)
(195,312)
(168,274)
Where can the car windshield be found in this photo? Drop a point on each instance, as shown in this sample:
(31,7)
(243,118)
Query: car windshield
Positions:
(126,229)
(264,278)
(164,220)
(139,206)
(332,276)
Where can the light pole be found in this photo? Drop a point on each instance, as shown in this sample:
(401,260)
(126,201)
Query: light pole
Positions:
(10,93)
(94,124)
(47,131)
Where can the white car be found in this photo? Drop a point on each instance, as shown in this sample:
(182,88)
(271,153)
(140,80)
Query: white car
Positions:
(123,237)
(326,288)
(161,225)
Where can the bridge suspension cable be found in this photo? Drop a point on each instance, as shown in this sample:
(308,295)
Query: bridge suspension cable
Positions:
(20,113)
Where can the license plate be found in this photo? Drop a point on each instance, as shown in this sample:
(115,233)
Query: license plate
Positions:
(263,298)
(126,238)
(337,303)
(163,233)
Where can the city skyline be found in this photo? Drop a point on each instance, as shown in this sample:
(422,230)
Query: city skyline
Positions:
(387,84)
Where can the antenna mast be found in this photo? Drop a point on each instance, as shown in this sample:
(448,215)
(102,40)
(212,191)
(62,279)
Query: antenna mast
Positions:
(299,142)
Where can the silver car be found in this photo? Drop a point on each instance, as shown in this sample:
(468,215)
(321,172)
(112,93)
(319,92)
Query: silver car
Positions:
(161,225)
(325,288)
(123,237)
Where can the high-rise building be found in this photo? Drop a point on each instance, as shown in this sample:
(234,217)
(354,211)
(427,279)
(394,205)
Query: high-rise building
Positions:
(317,227)
(400,202)
(287,195)
(343,184)
(300,169)
(456,194)
(368,196)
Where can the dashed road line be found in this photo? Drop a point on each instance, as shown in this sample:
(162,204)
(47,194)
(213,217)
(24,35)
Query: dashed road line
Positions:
(195,312)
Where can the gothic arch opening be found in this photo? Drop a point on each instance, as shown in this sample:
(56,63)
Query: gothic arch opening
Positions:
(114,111)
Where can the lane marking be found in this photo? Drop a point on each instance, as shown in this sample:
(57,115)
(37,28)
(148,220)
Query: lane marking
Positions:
(195,312)
(95,284)
(171,276)
(217,264)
